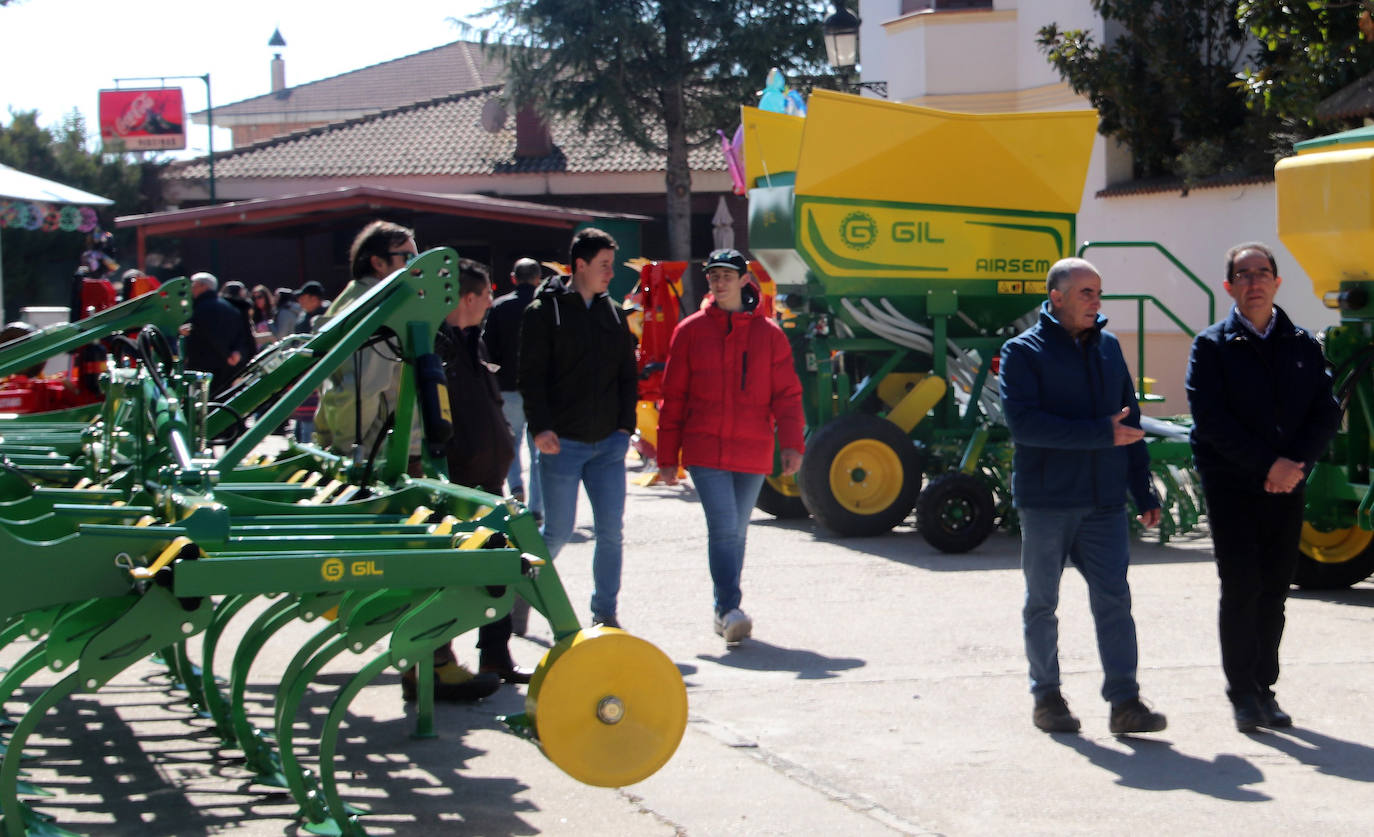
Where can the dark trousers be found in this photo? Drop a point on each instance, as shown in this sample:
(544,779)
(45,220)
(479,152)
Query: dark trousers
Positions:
(1255,540)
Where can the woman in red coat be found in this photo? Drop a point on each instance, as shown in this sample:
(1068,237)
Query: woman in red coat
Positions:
(728,387)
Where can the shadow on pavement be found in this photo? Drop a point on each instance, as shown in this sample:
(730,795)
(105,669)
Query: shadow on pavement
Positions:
(1332,756)
(1155,765)
(761,656)
(1361,596)
(165,772)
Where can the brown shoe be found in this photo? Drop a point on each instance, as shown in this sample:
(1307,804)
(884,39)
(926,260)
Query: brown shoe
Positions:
(453,683)
(1052,714)
(1133,715)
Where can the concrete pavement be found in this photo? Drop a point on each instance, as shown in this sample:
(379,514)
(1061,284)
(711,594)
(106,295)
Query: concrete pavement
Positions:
(884,693)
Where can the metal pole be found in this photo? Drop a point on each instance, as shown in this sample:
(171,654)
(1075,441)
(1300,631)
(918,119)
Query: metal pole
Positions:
(210,124)
(210,127)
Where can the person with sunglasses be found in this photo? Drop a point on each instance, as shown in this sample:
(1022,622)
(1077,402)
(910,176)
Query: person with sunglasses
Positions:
(355,408)
(379,250)
(1263,413)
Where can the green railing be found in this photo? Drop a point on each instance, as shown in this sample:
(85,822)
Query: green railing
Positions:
(1211,297)
(1141,299)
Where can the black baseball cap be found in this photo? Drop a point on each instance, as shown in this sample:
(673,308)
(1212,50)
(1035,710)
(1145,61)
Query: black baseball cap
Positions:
(312,288)
(727,257)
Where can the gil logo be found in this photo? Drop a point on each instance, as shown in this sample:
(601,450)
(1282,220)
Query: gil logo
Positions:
(332,570)
(859,230)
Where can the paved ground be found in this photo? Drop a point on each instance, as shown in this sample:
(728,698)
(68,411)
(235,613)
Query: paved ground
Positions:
(884,694)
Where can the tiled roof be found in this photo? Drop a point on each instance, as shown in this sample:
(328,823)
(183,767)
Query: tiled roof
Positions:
(1352,101)
(1177,184)
(454,68)
(435,138)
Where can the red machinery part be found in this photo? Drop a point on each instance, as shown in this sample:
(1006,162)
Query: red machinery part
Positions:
(22,394)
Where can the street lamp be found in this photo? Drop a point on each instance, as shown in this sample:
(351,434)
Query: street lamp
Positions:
(841,38)
(841,31)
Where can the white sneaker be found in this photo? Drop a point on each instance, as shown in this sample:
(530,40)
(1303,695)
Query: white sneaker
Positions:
(734,625)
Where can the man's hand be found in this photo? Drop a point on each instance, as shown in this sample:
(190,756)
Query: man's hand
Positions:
(547,442)
(1123,434)
(1284,476)
(791,462)
(234,358)
(668,475)
(1149,519)
(184,329)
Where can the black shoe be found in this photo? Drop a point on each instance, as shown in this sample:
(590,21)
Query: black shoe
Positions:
(1052,714)
(599,621)
(1133,715)
(509,674)
(1249,715)
(1271,713)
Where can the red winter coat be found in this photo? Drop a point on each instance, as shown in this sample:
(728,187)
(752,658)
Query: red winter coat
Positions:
(728,384)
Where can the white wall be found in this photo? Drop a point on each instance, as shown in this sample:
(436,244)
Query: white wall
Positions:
(978,61)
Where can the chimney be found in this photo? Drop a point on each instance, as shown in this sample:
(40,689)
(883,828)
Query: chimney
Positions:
(278,65)
(532,137)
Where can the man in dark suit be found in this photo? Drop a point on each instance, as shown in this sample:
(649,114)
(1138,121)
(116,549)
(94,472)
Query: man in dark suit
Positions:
(216,341)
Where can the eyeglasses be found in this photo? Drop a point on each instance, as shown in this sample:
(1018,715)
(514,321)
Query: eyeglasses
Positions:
(1258,274)
(410,257)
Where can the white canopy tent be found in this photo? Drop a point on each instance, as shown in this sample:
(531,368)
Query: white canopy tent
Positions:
(16,185)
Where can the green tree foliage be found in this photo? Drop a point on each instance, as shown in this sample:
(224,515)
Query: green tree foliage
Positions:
(1165,85)
(1310,50)
(663,73)
(38,265)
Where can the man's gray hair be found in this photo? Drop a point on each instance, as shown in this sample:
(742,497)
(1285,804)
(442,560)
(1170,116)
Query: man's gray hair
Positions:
(527,271)
(206,279)
(1064,269)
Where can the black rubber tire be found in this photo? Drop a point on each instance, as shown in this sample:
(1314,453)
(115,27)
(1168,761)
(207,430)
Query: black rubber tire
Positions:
(780,505)
(956,512)
(1312,574)
(828,443)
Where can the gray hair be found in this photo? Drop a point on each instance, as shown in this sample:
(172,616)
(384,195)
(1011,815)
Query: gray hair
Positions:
(527,271)
(1062,271)
(206,279)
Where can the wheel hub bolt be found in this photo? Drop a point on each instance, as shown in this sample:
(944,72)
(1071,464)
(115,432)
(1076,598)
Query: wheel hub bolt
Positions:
(610,710)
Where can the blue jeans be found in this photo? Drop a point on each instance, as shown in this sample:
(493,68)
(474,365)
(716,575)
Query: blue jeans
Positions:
(727,498)
(600,466)
(1095,540)
(513,406)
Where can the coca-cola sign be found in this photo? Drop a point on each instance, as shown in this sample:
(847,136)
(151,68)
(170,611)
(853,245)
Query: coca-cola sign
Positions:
(145,120)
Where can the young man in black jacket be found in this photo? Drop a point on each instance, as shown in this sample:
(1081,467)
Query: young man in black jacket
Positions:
(1262,414)
(480,450)
(577,376)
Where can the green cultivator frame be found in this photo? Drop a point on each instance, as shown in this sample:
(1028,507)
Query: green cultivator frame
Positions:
(162,541)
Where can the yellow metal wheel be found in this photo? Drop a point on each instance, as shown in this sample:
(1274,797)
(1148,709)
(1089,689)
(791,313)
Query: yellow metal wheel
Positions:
(786,486)
(866,476)
(1336,546)
(609,708)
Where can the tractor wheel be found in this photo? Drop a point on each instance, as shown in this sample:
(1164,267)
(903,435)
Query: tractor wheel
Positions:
(1339,558)
(781,498)
(956,512)
(860,475)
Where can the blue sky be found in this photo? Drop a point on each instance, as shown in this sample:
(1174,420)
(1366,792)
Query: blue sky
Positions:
(60,53)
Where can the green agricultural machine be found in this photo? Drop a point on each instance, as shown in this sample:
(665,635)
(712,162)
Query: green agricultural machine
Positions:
(1326,219)
(168,536)
(907,245)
